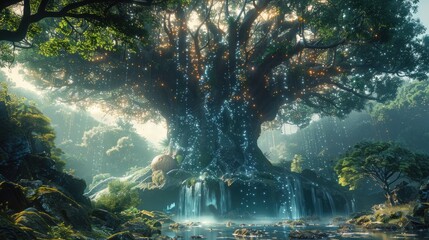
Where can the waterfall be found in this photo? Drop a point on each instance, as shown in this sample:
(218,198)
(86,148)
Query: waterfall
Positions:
(294,206)
(201,200)
(225,199)
(190,201)
(310,200)
(317,204)
(331,203)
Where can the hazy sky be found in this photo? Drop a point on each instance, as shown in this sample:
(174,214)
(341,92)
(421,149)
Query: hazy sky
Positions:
(423,12)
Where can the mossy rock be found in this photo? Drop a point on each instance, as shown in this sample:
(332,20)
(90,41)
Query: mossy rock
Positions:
(156,216)
(122,236)
(12,197)
(158,178)
(59,206)
(363,219)
(10,231)
(248,233)
(141,227)
(381,226)
(105,218)
(35,220)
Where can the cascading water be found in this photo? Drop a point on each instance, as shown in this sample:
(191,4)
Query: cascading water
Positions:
(293,207)
(190,201)
(204,199)
(294,198)
(225,199)
(331,203)
(311,200)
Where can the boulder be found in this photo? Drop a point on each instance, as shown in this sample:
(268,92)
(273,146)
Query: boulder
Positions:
(44,169)
(35,220)
(426,216)
(419,210)
(163,163)
(248,233)
(176,226)
(308,234)
(105,218)
(12,197)
(121,236)
(139,227)
(74,187)
(61,207)
(424,193)
(9,231)
(405,194)
(31,186)
(381,226)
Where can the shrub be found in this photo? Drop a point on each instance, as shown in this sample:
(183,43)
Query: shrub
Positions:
(120,196)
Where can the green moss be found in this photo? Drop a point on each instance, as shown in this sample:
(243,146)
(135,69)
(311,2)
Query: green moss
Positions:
(393,214)
(61,231)
(158,178)
(191,181)
(50,190)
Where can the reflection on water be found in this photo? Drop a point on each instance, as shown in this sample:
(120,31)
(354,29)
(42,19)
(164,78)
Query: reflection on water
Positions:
(271,231)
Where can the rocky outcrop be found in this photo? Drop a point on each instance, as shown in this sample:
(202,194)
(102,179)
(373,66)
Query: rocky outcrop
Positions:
(105,219)
(421,210)
(10,231)
(31,218)
(12,197)
(58,205)
(121,236)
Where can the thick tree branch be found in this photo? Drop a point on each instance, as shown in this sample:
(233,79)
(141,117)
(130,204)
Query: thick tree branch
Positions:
(249,19)
(66,11)
(350,90)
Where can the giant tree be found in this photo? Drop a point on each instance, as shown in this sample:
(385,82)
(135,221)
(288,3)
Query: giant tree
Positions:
(217,69)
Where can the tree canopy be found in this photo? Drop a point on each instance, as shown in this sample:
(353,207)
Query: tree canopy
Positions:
(217,69)
(22,20)
(383,162)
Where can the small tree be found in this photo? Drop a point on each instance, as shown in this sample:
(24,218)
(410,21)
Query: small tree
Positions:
(296,165)
(383,162)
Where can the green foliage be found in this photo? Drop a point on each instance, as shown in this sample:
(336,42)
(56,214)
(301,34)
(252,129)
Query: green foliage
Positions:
(296,164)
(61,231)
(383,162)
(23,117)
(412,100)
(120,196)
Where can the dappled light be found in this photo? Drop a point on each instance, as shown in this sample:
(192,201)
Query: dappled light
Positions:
(208,119)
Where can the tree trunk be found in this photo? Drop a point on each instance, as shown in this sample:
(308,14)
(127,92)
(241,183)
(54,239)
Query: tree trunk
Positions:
(389,195)
(217,140)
